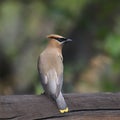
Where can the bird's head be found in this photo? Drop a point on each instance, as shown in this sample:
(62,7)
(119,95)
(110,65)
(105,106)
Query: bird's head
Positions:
(58,38)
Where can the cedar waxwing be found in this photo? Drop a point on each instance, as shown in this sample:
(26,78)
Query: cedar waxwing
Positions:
(50,67)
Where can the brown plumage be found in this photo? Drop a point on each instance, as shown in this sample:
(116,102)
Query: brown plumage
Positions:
(50,67)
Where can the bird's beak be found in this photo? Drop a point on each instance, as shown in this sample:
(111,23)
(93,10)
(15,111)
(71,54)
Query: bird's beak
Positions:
(68,40)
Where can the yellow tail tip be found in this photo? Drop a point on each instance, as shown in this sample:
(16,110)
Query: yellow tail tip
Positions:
(64,110)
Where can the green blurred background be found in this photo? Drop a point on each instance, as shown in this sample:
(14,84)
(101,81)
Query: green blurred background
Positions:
(91,61)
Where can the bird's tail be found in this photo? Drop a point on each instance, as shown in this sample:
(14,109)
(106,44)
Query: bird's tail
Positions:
(62,106)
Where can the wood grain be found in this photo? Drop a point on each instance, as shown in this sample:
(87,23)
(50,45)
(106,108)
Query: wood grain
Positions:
(100,106)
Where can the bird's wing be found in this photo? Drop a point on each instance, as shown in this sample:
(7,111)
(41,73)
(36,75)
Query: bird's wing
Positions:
(59,85)
(40,72)
(51,80)
(54,82)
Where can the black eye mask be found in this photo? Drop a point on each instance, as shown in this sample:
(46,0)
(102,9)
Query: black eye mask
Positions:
(61,39)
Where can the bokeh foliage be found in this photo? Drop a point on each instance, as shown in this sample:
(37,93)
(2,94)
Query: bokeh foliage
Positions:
(91,61)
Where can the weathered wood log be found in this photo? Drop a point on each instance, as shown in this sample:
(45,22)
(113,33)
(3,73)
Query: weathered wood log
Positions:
(99,106)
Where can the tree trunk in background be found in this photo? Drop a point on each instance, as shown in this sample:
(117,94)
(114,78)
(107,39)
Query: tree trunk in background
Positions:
(6,75)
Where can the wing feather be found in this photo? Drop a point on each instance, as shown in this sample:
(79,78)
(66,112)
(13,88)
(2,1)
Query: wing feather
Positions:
(51,71)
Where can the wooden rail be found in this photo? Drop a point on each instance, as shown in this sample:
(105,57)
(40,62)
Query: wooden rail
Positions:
(99,106)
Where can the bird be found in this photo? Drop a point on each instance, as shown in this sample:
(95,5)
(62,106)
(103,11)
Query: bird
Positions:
(50,68)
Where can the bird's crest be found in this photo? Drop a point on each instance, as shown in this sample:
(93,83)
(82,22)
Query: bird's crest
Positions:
(59,38)
(54,36)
